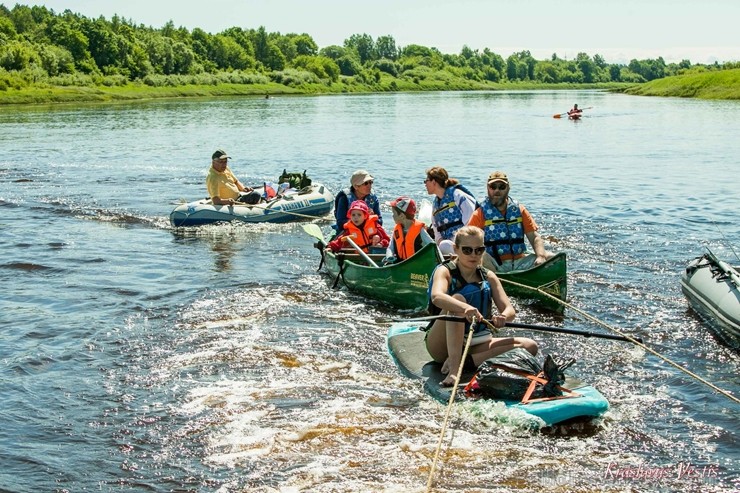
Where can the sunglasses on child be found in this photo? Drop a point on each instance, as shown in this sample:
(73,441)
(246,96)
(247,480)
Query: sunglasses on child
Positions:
(466,250)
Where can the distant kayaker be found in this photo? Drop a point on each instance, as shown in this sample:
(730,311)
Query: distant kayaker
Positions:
(363,228)
(505,224)
(223,187)
(453,206)
(463,287)
(409,234)
(575,111)
(361,188)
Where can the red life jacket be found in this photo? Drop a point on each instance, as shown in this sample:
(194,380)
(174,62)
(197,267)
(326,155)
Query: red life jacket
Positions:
(406,246)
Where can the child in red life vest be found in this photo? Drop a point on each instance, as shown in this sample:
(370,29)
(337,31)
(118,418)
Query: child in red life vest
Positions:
(363,228)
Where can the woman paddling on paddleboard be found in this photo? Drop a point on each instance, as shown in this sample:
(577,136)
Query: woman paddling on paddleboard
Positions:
(464,287)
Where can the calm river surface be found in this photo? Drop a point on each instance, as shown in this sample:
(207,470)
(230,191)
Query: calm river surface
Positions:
(136,357)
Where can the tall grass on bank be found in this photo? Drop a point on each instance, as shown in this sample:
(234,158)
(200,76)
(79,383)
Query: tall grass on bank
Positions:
(33,87)
(721,84)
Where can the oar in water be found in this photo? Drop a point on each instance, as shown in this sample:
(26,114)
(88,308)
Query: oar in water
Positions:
(566,113)
(541,328)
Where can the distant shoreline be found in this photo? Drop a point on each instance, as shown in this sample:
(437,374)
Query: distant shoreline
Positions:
(723,84)
(140,92)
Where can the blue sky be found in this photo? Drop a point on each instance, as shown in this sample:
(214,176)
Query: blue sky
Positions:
(619,30)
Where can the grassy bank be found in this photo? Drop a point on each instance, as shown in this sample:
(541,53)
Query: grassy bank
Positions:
(46,93)
(722,84)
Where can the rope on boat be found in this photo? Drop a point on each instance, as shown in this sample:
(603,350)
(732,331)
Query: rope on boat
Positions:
(629,338)
(277,211)
(453,393)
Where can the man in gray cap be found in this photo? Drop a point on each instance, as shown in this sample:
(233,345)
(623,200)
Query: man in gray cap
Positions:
(361,188)
(223,187)
(505,224)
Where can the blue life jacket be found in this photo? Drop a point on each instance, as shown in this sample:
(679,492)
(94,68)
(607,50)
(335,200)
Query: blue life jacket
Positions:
(503,234)
(371,200)
(447,216)
(477,294)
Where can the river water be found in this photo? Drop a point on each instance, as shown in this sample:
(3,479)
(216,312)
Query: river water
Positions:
(136,357)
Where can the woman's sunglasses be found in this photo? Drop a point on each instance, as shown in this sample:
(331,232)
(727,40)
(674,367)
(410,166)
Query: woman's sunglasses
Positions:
(369,182)
(466,250)
(502,186)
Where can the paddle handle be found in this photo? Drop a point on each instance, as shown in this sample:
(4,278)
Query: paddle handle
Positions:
(359,250)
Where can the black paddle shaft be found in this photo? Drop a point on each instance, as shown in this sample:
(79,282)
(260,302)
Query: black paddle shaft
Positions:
(561,330)
(542,328)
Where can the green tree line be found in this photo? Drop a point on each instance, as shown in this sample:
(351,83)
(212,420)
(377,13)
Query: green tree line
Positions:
(39,45)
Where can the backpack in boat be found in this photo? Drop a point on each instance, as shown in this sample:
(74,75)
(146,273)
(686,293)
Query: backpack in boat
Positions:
(516,375)
(296,180)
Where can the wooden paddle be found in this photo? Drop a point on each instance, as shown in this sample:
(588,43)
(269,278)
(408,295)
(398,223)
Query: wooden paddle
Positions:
(541,328)
(364,255)
(314,231)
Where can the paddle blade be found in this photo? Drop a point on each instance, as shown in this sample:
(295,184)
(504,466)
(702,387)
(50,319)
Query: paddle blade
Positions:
(425,212)
(314,231)
(558,115)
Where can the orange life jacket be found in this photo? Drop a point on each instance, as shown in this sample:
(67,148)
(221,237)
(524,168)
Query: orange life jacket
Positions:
(363,237)
(406,246)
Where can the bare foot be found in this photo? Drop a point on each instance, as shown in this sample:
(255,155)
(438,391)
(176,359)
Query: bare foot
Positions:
(448,382)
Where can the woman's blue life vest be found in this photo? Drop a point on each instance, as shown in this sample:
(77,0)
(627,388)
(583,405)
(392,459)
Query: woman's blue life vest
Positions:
(447,216)
(503,234)
(371,200)
(477,294)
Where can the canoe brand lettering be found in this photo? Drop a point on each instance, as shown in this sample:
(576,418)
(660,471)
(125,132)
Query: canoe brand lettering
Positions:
(682,470)
(420,280)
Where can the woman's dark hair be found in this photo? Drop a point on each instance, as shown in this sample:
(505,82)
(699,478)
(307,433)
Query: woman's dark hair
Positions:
(439,174)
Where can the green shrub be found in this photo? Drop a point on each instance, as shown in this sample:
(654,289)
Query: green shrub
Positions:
(115,80)
(294,78)
(70,80)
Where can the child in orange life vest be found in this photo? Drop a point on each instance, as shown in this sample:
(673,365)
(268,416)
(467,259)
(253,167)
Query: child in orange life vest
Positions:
(363,228)
(409,235)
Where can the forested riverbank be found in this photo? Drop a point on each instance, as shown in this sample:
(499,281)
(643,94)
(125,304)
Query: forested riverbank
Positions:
(48,57)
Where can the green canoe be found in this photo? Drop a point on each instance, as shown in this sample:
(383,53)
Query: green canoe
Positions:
(550,277)
(403,285)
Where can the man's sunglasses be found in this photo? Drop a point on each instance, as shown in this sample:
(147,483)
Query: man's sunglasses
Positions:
(502,186)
